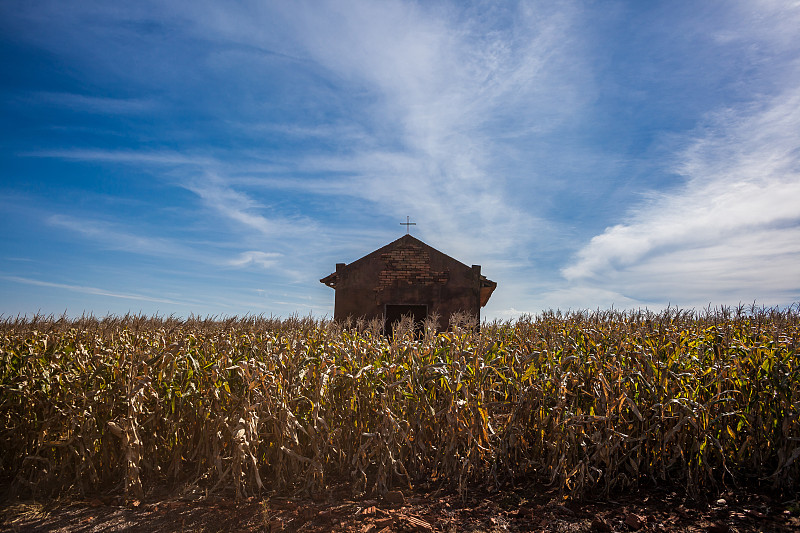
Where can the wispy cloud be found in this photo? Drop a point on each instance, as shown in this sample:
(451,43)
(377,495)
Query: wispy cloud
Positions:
(255,258)
(541,140)
(93,104)
(137,157)
(103,232)
(441,88)
(245,210)
(427,131)
(90,290)
(207,253)
(434,89)
(733,231)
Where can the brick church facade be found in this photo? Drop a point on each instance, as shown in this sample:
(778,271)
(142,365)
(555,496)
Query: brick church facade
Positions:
(408,277)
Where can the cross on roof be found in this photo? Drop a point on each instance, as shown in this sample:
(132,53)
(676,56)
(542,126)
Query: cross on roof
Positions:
(408,224)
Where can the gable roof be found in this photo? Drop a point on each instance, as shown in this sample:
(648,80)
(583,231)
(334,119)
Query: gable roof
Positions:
(487,286)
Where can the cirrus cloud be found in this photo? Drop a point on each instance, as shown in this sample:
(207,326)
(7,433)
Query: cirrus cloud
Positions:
(255,258)
(731,233)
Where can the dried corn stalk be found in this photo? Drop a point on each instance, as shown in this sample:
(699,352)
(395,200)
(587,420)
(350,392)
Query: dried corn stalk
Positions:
(588,402)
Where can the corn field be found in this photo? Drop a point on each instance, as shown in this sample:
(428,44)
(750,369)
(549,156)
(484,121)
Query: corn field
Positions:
(586,403)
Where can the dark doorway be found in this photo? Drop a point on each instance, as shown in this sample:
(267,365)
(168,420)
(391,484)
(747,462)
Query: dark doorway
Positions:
(394,313)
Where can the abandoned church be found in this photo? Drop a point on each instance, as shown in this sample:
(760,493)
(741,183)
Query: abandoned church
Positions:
(408,277)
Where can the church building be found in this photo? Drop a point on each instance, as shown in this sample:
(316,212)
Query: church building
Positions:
(408,277)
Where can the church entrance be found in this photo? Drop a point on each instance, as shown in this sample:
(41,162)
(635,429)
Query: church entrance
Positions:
(394,313)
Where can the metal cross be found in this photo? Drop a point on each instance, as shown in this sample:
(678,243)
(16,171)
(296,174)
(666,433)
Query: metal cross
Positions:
(408,224)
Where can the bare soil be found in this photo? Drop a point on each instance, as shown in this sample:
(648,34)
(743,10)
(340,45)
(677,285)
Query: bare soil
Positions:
(511,510)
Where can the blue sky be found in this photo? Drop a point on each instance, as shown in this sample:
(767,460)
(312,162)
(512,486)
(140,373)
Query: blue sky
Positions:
(219,158)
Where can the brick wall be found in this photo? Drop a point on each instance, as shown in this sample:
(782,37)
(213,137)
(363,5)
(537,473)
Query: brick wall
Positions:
(411,264)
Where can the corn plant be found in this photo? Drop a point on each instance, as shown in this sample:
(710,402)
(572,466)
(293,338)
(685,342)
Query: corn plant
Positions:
(588,403)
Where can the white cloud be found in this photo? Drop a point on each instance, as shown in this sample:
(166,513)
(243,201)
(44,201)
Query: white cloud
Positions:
(731,234)
(434,81)
(240,207)
(90,290)
(255,258)
(438,81)
(94,104)
(446,112)
(135,157)
(441,84)
(116,239)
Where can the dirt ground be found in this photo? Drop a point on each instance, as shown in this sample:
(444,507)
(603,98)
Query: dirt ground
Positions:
(508,511)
